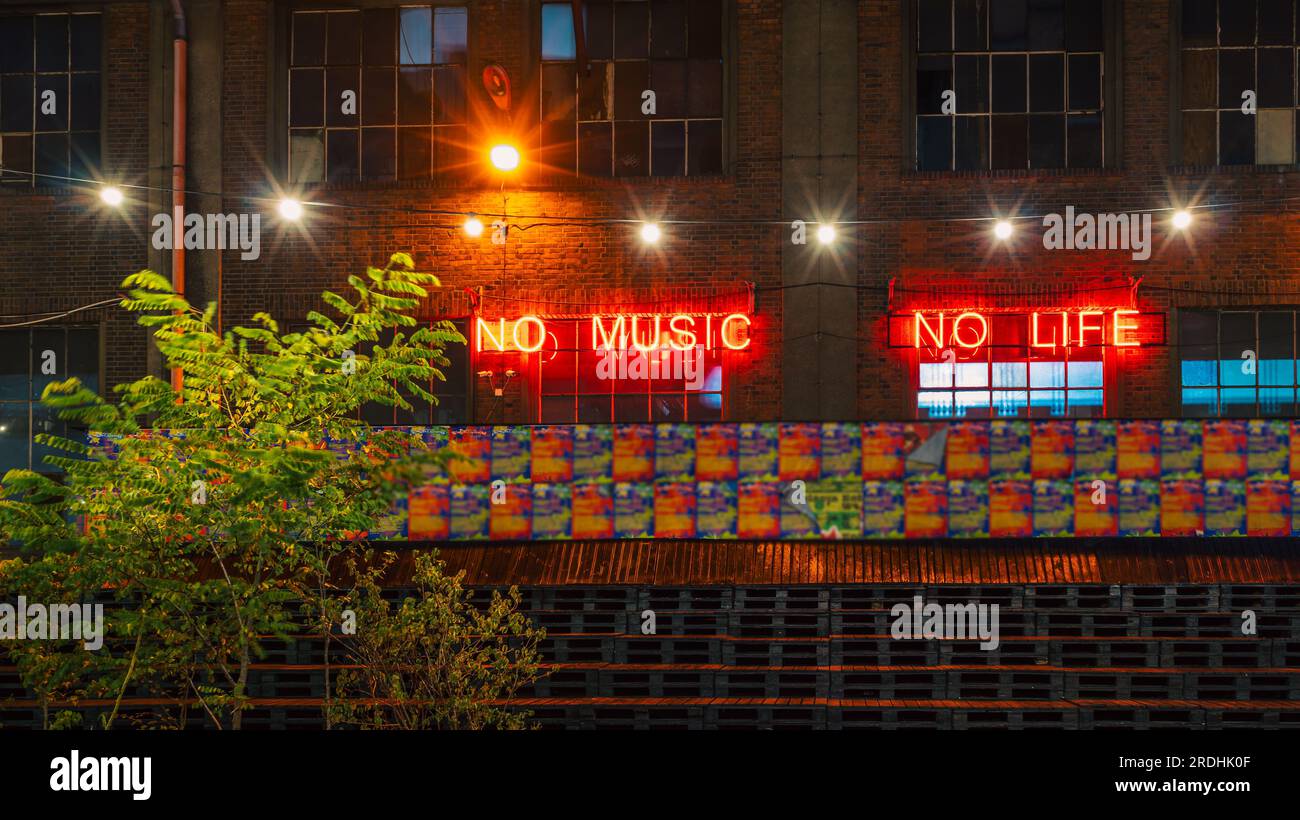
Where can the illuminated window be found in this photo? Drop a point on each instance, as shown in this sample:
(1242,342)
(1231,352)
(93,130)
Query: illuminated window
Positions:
(377,93)
(1233,51)
(49,97)
(1011,379)
(1009,84)
(592,386)
(595,120)
(29,360)
(1237,363)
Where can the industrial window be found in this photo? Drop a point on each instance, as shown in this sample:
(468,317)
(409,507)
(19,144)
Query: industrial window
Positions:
(1239,82)
(452,406)
(377,93)
(1237,363)
(1009,84)
(1011,380)
(647,102)
(49,98)
(581,385)
(30,359)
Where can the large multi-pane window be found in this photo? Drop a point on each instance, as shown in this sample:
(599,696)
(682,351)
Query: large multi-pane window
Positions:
(452,392)
(1239,82)
(30,359)
(377,93)
(1011,379)
(578,384)
(1236,363)
(1009,84)
(49,97)
(647,102)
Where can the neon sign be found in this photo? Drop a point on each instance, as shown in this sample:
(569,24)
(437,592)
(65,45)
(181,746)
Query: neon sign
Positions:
(676,331)
(1042,330)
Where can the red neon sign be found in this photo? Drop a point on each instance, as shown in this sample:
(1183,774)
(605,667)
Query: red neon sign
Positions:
(1047,329)
(678,331)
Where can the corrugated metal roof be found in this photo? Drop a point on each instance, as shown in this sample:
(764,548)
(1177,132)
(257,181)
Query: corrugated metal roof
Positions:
(704,563)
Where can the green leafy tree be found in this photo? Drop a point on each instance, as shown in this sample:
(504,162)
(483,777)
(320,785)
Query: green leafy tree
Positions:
(226,506)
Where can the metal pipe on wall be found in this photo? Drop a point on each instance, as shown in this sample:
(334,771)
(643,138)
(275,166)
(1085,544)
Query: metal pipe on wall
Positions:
(179,55)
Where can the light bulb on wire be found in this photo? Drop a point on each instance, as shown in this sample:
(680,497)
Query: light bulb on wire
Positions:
(826,234)
(1182,219)
(650,233)
(290,209)
(111,195)
(1002,230)
(473,226)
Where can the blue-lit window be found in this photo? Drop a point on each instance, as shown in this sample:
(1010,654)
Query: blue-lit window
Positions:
(1237,363)
(30,359)
(1011,381)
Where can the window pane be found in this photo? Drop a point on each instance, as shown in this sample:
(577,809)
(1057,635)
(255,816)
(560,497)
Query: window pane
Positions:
(14,438)
(1083,25)
(378,153)
(600,29)
(1236,23)
(595,148)
(342,154)
(668,148)
(86,48)
(16,155)
(704,139)
(450,35)
(1276,139)
(84,159)
(1008,25)
(343,44)
(306,97)
(630,79)
(52,156)
(341,96)
(1236,138)
(450,153)
(1085,374)
(307,156)
(934,143)
(1083,137)
(1046,25)
(668,407)
(594,92)
(1010,141)
(631,149)
(933,78)
(52,89)
(1047,141)
(631,29)
(972,150)
(378,96)
(1236,336)
(16,108)
(83,105)
(1276,77)
(559,97)
(414,152)
(16,42)
(934,25)
(1200,76)
(1200,23)
(1236,74)
(1047,374)
(415,96)
(1275,21)
(632,409)
(1085,82)
(1046,82)
(1008,83)
(308,38)
(449,94)
(51,42)
(667,28)
(1200,139)
(971,77)
(668,79)
(594,410)
(416,42)
(704,28)
(704,88)
(379,36)
(558,42)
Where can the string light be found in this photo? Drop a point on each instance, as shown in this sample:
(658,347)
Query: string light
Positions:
(473,226)
(1182,219)
(111,195)
(826,234)
(504,157)
(650,233)
(290,209)
(1002,230)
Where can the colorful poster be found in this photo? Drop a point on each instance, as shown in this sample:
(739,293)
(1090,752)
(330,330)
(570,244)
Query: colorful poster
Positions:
(968,508)
(1096,508)
(717,452)
(469,512)
(593,510)
(1138,445)
(834,508)
(758,451)
(1052,449)
(1225,507)
(1094,448)
(511,513)
(882,450)
(1139,507)
(634,452)
(392,525)
(925,448)
(634,509)
(1009,449)
(552,449)
(841,449)
(760,510)
(1053,507)
(1011,508)
(1295,450)
(552,512)
(926,504)
(593,452)
(800,451)
(1182,508)
(882,509)
(1225,448)
(1268,508)
(674,505)
(675,452)
(512,458)
(1180,449)
(474,446)
(1268,448)
(716,509)
(430,506)
(968,451)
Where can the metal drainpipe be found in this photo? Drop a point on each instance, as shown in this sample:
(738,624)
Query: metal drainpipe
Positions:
(179,50)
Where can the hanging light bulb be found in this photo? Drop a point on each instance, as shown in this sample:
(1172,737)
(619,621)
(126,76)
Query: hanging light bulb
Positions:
(290,209)
(650,233)
(826,234)
(473,227)
(1002,230)
(111,195)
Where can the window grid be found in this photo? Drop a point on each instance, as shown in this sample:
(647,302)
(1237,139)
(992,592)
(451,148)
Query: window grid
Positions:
(30,360)
(1075,388)
(593,122)
(570,391)
(50,97)
(405,66)
(1238,363)
(1229,48)
(1029,87)
(452,406)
